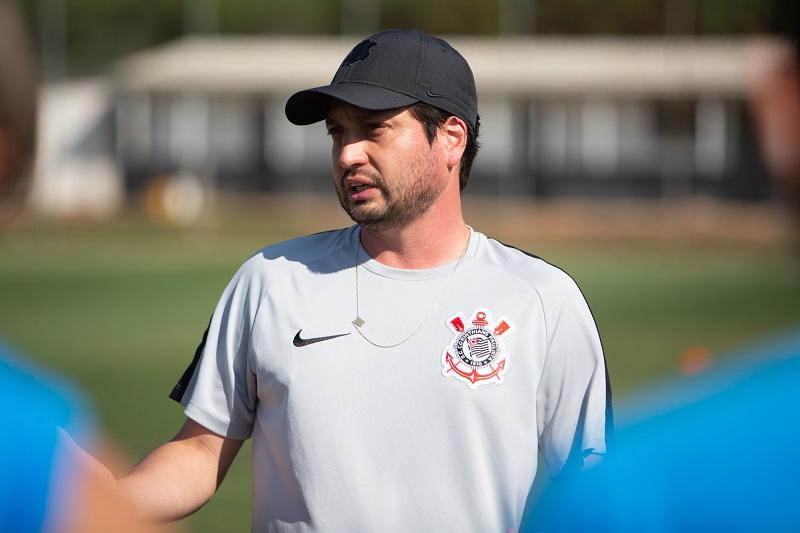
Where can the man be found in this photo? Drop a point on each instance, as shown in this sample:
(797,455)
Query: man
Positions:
(717,452)
(36,475)
(44,485)
(714,453)
(400,374)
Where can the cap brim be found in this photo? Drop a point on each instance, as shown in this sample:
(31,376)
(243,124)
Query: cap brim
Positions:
(311,105)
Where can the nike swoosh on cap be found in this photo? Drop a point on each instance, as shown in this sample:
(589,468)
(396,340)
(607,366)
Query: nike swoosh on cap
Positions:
(299,342)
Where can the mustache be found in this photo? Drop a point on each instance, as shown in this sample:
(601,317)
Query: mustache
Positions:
(375,179)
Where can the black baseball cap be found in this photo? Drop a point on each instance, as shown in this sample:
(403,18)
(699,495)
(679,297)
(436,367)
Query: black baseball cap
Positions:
(394,68)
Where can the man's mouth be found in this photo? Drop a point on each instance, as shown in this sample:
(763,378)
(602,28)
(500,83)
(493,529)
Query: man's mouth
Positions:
(361,193)
(359,188)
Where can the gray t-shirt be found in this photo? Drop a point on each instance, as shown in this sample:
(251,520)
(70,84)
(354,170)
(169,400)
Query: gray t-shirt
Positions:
(437,434)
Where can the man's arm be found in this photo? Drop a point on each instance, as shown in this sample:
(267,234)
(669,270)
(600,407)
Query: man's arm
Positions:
(180,476)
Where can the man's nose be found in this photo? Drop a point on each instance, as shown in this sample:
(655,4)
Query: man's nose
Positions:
(352,153)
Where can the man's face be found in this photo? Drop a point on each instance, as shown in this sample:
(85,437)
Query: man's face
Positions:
(386,173)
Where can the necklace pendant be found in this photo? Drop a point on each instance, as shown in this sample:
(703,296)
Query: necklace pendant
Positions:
(358,322)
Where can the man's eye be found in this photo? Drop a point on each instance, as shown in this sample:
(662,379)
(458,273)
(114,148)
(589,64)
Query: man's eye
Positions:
(375,128)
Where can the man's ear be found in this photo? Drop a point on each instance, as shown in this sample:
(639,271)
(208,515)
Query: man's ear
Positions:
(454,136)
(6,161)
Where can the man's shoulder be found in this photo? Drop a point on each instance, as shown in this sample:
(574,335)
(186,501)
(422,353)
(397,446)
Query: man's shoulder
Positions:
(20,379)
(307,247)
(540,274)
(308,252)
(35,472)
(44,401)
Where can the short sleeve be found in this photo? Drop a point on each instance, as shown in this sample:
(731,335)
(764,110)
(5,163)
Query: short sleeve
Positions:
(218,389)
(37,473)
(574,396)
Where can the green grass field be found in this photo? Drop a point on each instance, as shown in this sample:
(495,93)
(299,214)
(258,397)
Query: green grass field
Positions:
(120,307)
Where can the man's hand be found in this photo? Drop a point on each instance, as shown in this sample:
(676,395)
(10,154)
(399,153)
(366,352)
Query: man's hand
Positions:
(95,503)
(178,477)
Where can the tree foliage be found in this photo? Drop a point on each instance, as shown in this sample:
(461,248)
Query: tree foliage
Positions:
(96,32)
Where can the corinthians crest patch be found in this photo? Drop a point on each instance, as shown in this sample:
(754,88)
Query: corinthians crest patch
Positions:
(475,354)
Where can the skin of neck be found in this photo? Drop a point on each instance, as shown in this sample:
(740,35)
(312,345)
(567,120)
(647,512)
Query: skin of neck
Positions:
(435,238)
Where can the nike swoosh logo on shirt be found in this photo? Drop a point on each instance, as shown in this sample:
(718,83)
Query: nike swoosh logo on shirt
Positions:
(297,341)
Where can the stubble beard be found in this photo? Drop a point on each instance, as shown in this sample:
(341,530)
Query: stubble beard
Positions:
(410,196)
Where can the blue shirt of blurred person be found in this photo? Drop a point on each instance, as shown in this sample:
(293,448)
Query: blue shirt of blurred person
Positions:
(36,481)
(717,453)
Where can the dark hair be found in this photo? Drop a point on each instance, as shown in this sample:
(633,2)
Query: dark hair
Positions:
(785,23)
(432,119)
(17,96)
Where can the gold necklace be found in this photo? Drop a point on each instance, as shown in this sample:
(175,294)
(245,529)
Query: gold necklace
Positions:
(358,322)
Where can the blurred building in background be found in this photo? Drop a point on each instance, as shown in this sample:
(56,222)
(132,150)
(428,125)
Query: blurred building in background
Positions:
(609,117)
(76,170)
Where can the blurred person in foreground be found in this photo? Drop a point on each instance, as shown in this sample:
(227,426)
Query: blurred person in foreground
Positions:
(400,374)
(716,452)
(45,483)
